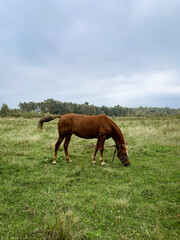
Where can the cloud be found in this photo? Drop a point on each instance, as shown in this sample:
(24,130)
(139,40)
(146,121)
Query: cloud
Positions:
(104,52)
(144,87)
(36,83)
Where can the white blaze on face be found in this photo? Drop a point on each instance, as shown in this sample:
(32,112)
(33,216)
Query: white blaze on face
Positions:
(126,147)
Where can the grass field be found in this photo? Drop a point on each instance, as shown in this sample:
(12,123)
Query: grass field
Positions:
(39,200)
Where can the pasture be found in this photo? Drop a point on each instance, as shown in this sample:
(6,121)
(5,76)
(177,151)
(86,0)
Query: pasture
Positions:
(39,200)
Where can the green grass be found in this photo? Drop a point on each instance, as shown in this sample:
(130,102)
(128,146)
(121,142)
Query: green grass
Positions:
(39,200)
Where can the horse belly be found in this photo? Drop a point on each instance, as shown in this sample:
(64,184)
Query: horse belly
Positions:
(84,133)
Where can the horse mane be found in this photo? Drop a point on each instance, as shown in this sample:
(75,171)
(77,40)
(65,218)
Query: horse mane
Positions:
(117,131)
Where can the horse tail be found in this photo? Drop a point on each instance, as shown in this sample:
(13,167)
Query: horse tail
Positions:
(47,118)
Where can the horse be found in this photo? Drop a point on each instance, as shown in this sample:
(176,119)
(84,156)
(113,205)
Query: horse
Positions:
(88,127)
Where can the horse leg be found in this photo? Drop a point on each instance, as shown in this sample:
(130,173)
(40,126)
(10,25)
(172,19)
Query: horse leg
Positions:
(57,145)
(101,145)
(66,144)
(95,151)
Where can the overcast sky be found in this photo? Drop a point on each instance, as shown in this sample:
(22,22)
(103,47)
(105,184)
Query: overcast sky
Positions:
(105,52)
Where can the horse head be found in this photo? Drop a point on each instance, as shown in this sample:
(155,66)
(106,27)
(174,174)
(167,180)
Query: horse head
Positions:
(122,153)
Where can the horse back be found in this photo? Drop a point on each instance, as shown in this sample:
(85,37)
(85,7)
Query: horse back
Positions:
(85,126)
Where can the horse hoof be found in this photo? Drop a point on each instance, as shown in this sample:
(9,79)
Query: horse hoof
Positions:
(93,162)
(103,163)
(69,161)
(53,163)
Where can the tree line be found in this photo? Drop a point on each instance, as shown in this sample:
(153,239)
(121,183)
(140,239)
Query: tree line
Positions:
(57,107)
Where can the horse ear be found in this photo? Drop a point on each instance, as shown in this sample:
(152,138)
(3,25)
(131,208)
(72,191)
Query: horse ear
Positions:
(123,146)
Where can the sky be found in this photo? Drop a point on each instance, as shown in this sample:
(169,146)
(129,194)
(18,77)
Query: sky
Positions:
(104,52)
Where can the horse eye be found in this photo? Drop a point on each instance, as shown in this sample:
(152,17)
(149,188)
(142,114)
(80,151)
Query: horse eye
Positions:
(124,154)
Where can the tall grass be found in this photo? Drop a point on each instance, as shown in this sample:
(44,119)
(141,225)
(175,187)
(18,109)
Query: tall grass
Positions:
(83,201)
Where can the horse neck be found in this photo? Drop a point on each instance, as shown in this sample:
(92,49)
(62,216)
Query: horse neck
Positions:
(117,135)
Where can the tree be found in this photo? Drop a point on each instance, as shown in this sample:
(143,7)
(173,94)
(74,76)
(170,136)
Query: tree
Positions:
(5,111)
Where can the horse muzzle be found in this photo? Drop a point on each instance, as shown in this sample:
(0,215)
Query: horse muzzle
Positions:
(126,162)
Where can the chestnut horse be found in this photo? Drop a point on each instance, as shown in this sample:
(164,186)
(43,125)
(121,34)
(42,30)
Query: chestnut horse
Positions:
(99,126)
